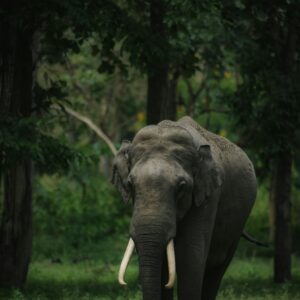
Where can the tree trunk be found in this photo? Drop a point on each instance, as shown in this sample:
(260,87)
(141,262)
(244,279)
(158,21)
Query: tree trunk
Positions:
(16,71)
(16,232)
(272,208)
(161,97)
(283,169)
(161,102)
(282,186)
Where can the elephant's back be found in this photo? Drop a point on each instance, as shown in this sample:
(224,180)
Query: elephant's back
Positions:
(238,190)
(223,144)
(239,179)
(230,156)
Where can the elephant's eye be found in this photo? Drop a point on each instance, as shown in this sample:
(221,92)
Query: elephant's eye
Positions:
(130,186)
(181,186)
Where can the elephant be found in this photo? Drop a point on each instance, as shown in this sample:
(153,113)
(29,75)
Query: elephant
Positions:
(192,192)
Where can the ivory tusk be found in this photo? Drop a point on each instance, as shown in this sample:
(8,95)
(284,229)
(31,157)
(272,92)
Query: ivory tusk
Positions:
(125,261)
(171,264)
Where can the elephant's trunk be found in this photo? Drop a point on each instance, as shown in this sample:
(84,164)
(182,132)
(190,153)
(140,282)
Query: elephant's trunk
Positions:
(170,259)
(150,250)
(151,239)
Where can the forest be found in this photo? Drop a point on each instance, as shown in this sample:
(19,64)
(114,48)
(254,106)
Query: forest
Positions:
(77,77)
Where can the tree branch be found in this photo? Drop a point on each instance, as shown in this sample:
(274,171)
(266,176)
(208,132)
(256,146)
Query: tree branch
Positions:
(93,127)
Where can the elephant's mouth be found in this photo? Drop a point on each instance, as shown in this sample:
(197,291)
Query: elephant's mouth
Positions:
(170,258)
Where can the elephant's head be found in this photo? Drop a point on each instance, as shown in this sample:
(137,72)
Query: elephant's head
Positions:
(166,170)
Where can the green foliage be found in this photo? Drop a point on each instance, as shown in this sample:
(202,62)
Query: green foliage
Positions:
(80,208)
(129,36)
(111,101)
(44,97)
(21,138)
(57,26)
(203,97)
(77,211)
(66,27)
(266,105)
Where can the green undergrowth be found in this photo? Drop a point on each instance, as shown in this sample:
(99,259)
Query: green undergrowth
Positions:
(93,276)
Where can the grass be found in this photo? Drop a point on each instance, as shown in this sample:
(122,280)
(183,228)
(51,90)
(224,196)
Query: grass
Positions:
(249,279)
(93,277)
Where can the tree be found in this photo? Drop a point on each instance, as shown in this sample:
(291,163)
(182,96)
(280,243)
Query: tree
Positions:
(21,32)
(16,82)
(160,99)
(267,102)
(162,39)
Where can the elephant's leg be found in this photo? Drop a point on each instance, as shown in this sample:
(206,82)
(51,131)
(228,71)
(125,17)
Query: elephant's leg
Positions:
(166,294)
(191,248)
(213,275)
(190,270)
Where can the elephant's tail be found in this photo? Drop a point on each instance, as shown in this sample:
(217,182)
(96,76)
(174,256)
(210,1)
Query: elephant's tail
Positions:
(250,239)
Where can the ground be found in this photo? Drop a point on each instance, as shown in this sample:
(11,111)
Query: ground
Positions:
(87,278)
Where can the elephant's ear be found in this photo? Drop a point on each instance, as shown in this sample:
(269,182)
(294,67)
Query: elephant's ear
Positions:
(207,176)
(121,168)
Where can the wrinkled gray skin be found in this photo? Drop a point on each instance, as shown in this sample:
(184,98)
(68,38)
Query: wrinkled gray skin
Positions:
(188,184)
